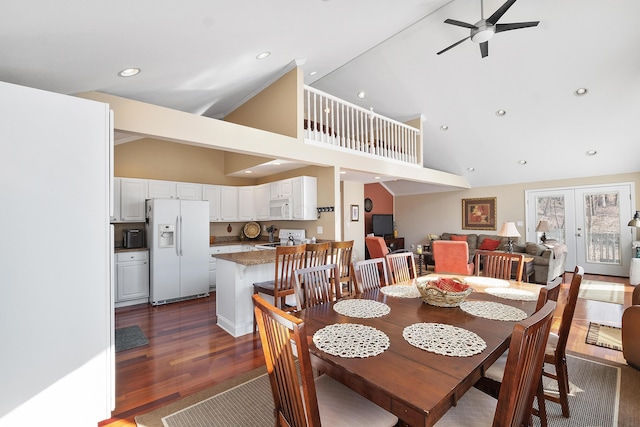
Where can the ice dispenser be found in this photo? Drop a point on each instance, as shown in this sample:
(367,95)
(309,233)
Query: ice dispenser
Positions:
(166,235)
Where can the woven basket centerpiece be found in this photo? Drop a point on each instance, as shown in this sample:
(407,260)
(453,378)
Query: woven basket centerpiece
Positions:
(443,291)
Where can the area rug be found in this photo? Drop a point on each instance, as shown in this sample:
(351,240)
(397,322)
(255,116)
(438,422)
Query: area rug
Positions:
(603,400)
(130,337)
(602,291)
(605,336)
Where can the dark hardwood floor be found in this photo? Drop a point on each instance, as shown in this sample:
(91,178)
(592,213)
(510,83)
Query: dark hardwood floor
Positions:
(188,352)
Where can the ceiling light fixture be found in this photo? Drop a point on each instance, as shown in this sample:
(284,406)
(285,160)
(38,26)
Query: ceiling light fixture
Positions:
(248,171)
(263,55)
(581,91)
(361,95)
(444,127)
(471,169)
(500,113)
(522,162)
(313,73)
(377,177)
(129,72)
(591,152)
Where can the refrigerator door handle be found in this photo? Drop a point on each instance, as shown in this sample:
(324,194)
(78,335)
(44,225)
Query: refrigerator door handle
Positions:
(177,236)
(180,236)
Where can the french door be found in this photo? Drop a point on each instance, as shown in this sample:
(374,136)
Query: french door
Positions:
(591,221)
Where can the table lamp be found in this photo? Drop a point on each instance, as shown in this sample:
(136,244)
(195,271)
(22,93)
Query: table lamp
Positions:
(543,226)
(509,230)
(635,221)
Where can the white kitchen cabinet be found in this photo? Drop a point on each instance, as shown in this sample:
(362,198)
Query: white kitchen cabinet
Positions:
(161,189)
(228,203)
(281,189)
(261,196)
(305,198)
(246,211)
(133,193)
(221,249)
(132,278)
(211,193)
(188,191)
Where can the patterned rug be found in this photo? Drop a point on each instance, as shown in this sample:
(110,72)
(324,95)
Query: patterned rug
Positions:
(602,291)
(605,336)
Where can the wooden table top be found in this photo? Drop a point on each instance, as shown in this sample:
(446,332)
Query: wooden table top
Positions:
(417,386)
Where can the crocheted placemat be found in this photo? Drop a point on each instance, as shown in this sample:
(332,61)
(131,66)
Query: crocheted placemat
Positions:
(362,308)
(351,340)
(512,294)
(402,291)
(444,339)
(493,310)
(486,281)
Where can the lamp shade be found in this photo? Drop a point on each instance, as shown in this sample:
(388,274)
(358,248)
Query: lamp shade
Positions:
(508,229)
(543,226)
(635,222)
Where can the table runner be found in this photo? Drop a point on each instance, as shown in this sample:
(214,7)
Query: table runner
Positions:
(351,340)
(361,308)
(444,339)
(493,310)
(402,291)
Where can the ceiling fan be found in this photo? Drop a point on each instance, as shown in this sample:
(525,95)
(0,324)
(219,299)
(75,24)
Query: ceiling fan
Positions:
(484,29)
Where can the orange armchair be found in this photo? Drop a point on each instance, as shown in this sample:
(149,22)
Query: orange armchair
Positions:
(452,257)
(376,246)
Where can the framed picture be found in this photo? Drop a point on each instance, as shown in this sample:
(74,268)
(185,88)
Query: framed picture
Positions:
(355,213)
(479,214)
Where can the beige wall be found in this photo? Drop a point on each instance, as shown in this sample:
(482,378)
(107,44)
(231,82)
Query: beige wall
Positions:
(353,194)
(436,213)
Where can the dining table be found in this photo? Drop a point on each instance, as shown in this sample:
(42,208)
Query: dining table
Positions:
(413,359)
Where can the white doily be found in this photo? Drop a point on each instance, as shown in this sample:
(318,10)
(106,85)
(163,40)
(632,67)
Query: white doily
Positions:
(513,294)
(493,310)
(362,308)
(402,291)
(444,339)
(351,340)
(486,281)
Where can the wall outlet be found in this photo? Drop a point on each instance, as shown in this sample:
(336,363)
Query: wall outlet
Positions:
(319,230)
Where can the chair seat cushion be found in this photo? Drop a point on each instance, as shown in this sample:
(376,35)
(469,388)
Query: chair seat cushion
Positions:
(552,344)
(474,409)
(341,406)
(496,371)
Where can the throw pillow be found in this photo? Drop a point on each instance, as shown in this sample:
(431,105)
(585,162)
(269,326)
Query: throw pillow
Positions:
(459,238)
(489,245)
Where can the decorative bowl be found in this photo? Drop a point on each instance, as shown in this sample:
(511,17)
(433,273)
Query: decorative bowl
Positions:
(443,291)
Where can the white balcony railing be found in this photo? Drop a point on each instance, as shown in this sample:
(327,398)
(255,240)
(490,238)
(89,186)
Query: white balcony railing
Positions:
(339,124)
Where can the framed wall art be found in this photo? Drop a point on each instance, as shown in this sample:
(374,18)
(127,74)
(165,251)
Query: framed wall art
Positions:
(479,214)
(355,213)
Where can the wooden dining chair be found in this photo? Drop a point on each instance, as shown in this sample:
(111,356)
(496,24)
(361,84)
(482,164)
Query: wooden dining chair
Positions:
(317,285)
(402,266)
(499,265)
(316,254)
(522,376)
(340,254)
(370,274)
(299,399)
(288,259)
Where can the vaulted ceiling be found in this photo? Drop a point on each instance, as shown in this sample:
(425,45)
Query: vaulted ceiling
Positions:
(200,56)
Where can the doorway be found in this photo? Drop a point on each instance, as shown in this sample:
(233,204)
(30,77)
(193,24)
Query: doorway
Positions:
(591,221)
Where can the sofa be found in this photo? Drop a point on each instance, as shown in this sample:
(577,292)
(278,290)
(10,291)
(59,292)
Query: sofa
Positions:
(548,258)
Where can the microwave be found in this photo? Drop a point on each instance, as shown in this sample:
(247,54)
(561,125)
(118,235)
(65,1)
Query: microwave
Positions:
(281,209)
(133,238)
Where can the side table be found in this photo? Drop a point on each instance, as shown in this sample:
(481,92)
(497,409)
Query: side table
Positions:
(423,260)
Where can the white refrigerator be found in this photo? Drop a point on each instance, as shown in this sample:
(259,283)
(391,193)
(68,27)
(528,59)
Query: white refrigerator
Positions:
(178,241)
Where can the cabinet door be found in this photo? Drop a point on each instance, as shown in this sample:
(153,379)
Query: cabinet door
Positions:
(262,194)
(211,193)
(281,189)
(188,191)
(133,280)
(161,189)
(245,204)
(228,203)
(116,200)
(133,193)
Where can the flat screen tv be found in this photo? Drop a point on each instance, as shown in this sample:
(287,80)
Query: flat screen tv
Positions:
(382,224)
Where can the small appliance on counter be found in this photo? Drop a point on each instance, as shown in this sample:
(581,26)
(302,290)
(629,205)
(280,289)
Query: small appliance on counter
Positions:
(287,237)
(133,238)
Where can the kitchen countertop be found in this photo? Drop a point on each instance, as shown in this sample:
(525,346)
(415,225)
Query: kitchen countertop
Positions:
(265,256)
(118,250)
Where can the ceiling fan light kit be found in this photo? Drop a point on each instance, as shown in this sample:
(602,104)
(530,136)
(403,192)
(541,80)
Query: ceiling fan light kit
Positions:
(482,31)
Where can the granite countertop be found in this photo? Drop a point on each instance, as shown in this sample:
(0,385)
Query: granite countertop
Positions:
(249,258)
(117,250)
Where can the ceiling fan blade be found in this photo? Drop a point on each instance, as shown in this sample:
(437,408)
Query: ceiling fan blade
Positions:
(453,45)
(501,11)
(484,49)
(460,24)
(515,26)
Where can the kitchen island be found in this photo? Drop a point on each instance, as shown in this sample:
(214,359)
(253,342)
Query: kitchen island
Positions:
(236,273)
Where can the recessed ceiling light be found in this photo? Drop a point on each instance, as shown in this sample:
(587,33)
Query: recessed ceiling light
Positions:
(581,91)
(248,171)
(263,55)
(343,172)
(444,127)
(591,153)
(500,113)
(377,177)
(471,169)
(276,163)
(522,162)
(361,95)
(129,72)
(313,73)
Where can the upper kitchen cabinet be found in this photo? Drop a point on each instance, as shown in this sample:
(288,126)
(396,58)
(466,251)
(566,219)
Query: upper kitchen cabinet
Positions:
(161,189)
(282,189)
(246,211)
(188,191)
(305,198)
(261,197)
(211,193)
(130,194)
(228,203)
